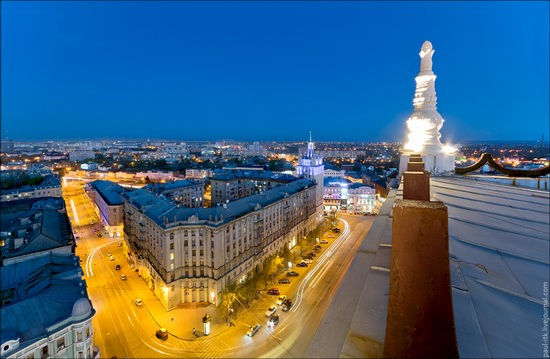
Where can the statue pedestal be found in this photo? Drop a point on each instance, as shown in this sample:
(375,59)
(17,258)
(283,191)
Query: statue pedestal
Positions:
(437,164)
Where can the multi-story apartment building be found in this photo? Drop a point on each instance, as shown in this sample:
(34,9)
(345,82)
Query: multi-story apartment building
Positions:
(50,187)
(229,185)
(106,196)
(44,307)
(157,176)
(190,254)
(329,172)
(310,165)
(81,155)
(32,227)
(193,173)
(187,193)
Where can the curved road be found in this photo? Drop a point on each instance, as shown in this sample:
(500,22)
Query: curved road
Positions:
(125,330)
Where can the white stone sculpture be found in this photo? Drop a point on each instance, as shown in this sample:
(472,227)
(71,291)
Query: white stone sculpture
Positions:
(425,122)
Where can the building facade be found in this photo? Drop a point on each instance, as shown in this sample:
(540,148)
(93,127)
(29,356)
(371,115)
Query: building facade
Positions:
(187,193)
(361,199)
(230,185)
(189,255)
(106,196)
(51,187)
(311,166)
(81,155)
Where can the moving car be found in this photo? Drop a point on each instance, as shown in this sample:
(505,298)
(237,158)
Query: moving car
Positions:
(284,281)
(139,302)
(274,291)
(281,299)
(117,267)
(123,277)
(292,274)
(270,311)
(253,330)
(287,304)
(273,321)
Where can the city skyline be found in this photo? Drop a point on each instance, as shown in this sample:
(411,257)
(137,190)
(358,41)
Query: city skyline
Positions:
(270,71)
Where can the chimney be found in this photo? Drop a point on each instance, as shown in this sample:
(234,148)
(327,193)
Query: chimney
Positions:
(420,321)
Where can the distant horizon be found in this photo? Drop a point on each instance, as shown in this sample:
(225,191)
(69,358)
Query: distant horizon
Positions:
(142,140)
(271,71)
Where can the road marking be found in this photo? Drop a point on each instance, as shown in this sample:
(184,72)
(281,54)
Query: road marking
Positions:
(327,266)
(74,212)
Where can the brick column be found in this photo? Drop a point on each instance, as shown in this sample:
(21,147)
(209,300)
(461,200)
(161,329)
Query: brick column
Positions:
(420,320)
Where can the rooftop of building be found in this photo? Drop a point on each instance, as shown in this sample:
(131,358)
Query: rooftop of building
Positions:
(167,214)
(43,292)
(50,181)
(228,175)
(499,261)
(335,181)
(170,186)
(109,191)
(31,226)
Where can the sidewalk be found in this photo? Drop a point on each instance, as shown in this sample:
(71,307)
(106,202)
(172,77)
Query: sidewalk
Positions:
(180,322)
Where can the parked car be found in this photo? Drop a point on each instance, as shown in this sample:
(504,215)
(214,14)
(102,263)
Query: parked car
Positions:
(281,299)
(317,247)
(109,254)
(301,264)
(292,274)
(323,241)
(270,311)
(111,258)
(287,304)
(273,321)
(331,236)
(139,302)
(274,291)
(253,330)
(117,267)
(123,277)
(336,230)
(307,260)
(284,281)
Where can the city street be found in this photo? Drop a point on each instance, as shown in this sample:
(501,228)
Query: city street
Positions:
(123,329)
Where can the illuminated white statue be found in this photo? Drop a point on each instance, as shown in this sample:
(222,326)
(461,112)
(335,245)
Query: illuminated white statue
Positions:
(425,122)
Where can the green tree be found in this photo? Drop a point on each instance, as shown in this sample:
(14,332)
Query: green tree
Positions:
(229,295)
(273,265)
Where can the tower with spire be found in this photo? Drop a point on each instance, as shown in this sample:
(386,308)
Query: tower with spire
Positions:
(311,166)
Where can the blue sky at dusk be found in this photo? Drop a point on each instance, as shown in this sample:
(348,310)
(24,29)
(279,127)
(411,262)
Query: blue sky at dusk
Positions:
(265,70)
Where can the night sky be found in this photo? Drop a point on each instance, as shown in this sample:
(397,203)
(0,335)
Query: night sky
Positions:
(258,71)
